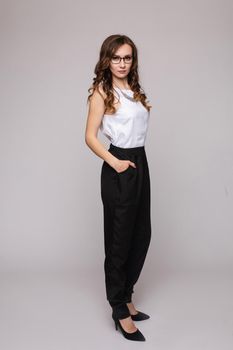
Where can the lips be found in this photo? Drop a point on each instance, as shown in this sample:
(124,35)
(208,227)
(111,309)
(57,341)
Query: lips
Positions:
(122,71)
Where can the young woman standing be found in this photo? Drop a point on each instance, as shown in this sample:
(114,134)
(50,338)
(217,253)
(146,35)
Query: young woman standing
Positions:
(118,107)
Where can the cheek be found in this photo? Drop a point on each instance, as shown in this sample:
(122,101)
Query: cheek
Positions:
(112,68)
(129,68)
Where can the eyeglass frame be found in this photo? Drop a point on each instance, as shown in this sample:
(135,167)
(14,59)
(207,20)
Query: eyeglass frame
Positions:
(122,58)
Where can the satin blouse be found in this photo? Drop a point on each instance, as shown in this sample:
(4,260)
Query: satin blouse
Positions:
(128,126)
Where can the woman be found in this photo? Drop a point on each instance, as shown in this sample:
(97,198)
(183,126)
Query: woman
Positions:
(118,107)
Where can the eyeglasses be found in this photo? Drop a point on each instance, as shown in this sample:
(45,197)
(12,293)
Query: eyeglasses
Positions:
(117,59)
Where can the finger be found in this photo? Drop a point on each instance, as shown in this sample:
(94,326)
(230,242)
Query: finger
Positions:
(132,164)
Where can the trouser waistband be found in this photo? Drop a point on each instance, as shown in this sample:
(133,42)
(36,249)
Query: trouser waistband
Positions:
(128,151)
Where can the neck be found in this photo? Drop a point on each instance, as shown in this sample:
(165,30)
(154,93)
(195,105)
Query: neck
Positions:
(122,84)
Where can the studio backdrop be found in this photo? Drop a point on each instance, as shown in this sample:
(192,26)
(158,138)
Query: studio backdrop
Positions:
(51,215)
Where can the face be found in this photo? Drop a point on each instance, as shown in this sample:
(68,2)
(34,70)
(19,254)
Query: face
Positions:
(121,70)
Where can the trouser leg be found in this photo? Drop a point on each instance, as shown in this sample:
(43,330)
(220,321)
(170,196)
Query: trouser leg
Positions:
(118,236)
(121,195)
(141,236)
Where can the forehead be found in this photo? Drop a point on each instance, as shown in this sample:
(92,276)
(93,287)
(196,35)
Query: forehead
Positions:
(124,49)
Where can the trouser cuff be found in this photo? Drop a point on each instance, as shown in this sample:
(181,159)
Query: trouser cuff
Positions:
(120,311)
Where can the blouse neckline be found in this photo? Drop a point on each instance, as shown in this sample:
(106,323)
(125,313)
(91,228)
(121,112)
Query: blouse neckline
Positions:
(123,89)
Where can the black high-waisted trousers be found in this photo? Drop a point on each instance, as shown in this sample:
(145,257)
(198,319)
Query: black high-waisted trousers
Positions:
(127,225)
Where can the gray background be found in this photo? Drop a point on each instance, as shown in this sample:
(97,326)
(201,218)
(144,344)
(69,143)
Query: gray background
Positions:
(51,219)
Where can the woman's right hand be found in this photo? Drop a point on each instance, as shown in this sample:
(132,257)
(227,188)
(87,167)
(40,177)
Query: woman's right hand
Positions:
(122,165)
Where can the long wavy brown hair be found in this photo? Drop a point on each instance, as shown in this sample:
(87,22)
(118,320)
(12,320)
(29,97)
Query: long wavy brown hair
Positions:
(104,74)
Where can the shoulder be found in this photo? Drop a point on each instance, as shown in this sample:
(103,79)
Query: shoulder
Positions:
(99,90)
(98,95)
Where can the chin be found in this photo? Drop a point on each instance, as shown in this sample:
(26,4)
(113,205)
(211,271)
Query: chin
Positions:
(122,75)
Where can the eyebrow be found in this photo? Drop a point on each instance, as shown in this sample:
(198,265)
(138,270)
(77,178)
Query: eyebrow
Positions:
(129,54)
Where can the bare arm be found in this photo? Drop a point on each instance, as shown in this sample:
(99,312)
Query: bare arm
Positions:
(94,118)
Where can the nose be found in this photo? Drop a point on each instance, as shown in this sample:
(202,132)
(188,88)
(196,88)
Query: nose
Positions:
(122,63)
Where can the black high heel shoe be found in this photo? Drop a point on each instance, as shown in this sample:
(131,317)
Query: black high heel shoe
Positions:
(137,335)
(140,316)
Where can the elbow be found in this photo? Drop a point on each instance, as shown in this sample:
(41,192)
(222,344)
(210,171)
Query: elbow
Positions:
(88,139)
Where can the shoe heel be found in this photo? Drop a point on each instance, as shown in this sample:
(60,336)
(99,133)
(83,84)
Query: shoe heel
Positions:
(137,335)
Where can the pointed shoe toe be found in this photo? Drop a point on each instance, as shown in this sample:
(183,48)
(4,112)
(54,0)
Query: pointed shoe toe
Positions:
(140,316)
(137,335)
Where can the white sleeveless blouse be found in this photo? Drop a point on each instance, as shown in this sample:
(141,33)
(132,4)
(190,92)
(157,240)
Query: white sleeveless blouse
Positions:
(127,127)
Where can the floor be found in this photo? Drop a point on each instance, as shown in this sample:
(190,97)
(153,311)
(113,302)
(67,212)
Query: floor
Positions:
(68,310)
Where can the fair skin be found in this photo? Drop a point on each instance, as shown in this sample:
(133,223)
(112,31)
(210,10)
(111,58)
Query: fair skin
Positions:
(97,109)
(94,118)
